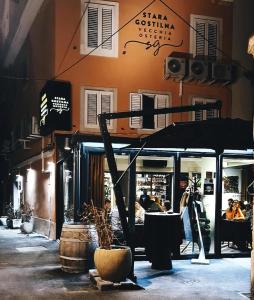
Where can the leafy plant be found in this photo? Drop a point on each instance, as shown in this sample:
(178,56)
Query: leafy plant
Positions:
(13,214)
(26,212)
(92,215)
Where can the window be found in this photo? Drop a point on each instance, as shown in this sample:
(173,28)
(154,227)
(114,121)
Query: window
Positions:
(99,27)
(204,114)
(148,102)
(97,102)
(205,40)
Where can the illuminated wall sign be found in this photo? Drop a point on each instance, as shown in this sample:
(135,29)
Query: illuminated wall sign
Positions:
(55,107)
(154,31)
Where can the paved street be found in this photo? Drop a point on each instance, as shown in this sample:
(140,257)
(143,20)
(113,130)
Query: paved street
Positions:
(30,269)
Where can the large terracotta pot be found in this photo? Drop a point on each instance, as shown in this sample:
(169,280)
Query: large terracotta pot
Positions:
(114,264)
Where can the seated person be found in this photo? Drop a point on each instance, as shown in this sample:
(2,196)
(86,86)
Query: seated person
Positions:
(152,206)
(144,199)
(238,214)
(229,210)
(158,201)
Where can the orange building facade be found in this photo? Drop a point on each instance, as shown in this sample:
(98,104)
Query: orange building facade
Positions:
(117,56)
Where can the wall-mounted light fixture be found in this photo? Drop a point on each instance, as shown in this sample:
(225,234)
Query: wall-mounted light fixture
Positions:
(67,144)
(251,45)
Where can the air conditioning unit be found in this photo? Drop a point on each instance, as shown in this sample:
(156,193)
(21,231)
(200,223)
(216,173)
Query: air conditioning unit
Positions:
(223,73)
(175,68)
(199,70)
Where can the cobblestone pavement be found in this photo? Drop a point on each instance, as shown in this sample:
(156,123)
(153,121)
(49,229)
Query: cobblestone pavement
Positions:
(30,269)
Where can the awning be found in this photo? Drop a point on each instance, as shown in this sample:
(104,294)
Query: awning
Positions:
(217,134)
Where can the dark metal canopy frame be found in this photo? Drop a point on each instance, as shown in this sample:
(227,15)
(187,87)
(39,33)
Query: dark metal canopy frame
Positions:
(217,134)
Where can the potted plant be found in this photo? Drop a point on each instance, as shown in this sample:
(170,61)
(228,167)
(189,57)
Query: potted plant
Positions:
(113,263)
(27,219)
(13,217)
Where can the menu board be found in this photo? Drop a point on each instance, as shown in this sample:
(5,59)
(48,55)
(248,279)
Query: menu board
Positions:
(55,107)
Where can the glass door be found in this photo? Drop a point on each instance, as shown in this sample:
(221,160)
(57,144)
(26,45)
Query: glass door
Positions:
(197,203)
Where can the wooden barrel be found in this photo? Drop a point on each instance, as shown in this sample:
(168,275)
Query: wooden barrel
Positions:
(77,245)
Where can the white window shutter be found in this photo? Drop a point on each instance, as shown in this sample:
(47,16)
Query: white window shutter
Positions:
(197,115)
(92,27)
(205,36)
(204,114)
(107,104)
(161,101)
(135,104)
(213,39)
(200,38)
(91,98)
(99,28)
(107,29)
(211,113)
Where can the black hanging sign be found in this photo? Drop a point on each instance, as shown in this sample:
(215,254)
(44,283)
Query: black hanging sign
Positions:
(55,107)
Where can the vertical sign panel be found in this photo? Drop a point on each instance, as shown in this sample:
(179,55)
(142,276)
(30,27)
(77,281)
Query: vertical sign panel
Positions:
(55,107)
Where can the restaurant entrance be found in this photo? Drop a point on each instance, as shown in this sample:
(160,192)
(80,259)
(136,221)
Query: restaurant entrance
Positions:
(166,175)
(198,184)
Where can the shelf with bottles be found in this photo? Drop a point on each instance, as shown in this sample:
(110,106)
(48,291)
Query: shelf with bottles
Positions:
(155,184)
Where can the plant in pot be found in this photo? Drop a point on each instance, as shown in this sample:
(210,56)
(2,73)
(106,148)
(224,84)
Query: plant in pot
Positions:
(113,263)
(13,217)
(27,219)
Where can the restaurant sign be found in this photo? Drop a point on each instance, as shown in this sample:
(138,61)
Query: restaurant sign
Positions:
(55,107)
(154,31)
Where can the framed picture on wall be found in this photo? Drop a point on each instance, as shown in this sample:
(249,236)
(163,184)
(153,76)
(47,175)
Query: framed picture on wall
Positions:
(208,189)
(231,184)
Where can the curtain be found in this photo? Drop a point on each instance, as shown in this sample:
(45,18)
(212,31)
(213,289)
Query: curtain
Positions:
(96,179)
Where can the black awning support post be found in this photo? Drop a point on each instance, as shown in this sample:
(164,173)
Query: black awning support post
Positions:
(114,175)
(218,201)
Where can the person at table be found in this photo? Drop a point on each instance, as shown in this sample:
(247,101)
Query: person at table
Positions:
(230,211)
(152,206)
(238,214)
(144,199)
(159,202)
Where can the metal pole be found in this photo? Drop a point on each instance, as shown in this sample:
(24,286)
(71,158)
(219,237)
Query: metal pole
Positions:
(114,175)
(177,171)
(131,207)
(218,200)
